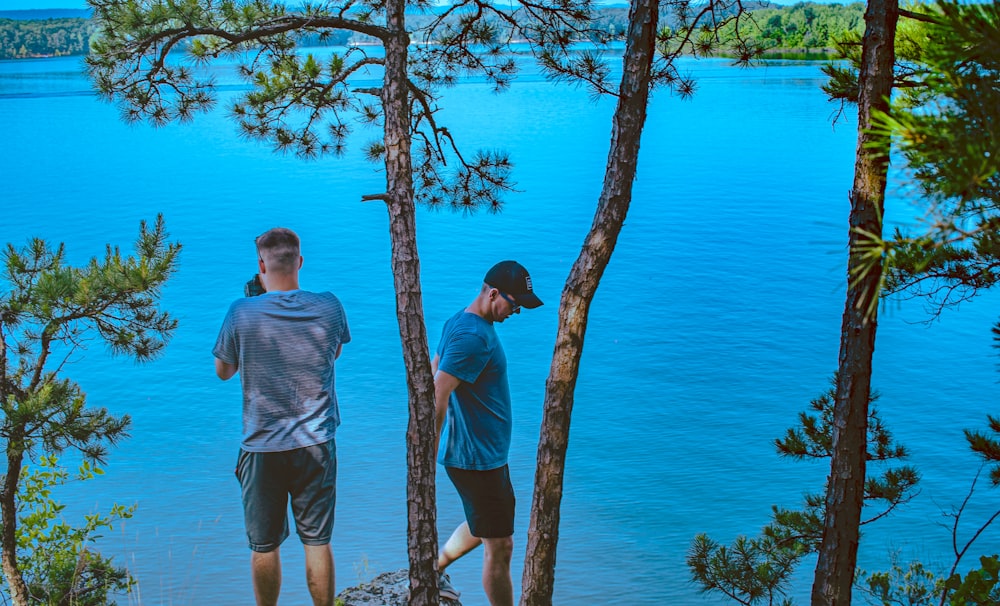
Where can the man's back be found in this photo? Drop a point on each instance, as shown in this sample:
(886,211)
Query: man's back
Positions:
(285,344)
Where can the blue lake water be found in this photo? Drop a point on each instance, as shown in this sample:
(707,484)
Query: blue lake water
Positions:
(716,323)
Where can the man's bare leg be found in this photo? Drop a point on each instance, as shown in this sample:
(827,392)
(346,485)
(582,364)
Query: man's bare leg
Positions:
(265,569)
(496,571)
(320,574)
(459,543)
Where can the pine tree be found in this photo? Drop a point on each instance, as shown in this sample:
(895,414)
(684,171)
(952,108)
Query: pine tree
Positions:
(49,310)
(757,570)
(944,124)
(648,62)
(837,559)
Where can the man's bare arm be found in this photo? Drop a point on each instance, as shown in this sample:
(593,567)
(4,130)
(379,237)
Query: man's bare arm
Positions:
(444,384)
(225,370)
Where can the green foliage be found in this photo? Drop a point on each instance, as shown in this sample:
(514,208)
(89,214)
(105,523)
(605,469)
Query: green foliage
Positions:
(751,571)
(980,586)
(911,39)
(912,586)
(44,38)
(49,312)
(814,439)
(958,76)
(148,55)
(148,58)
(55,558)
(951,146)
(757,570)
(988,446)
(802,26)
(685,29)
(944,124)
(916,585)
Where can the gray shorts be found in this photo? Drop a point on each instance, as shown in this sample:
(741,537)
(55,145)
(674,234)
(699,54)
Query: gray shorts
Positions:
(308,475)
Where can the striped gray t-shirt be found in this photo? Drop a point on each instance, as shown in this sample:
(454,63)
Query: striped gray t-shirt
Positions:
(285,344)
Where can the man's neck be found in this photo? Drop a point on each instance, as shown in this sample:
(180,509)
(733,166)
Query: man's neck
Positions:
(481,307)
(282,283)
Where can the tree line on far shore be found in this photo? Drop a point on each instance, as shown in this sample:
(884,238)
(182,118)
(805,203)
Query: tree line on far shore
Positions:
(25,39)
(801,27)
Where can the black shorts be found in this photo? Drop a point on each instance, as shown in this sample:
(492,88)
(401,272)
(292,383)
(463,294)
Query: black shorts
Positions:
(488,499)
(308,475)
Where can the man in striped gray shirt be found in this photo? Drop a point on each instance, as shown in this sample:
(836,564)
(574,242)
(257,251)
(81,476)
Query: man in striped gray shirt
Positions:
(284,343)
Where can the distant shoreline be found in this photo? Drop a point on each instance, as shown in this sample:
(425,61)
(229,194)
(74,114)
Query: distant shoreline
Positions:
(787,30)
(773,54)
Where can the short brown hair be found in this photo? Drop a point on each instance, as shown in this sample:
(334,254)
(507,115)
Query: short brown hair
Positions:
(281,247)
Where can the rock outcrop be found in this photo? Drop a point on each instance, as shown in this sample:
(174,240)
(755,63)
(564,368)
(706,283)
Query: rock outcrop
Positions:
(387,589)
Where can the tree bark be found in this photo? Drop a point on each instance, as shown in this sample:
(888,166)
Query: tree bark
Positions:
(420,433)
(845,489)
(578,293)
(8,541)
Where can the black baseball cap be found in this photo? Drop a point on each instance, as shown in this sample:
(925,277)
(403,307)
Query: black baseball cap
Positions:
(512,279)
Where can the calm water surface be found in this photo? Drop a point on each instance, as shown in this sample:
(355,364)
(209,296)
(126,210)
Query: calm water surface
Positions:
(716,323)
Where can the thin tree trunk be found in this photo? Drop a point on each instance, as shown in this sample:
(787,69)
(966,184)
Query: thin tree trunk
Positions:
(420,496)
(8,542)
(845,490)
(581,285)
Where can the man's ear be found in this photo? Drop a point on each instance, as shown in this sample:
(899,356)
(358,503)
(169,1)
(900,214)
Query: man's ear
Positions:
(260,265)
(300,261)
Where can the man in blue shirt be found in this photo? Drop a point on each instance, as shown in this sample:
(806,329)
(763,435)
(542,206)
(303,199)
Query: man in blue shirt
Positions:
(472,399)
(284,343)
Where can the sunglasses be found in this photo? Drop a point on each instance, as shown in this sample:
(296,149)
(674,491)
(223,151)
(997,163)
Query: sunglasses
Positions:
(514,307)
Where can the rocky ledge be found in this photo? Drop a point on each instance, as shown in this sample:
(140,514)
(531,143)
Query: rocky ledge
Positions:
(387,589)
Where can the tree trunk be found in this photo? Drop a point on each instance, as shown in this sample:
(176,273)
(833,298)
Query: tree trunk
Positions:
(581,285)
(845,490)
(421,430)
(8,541)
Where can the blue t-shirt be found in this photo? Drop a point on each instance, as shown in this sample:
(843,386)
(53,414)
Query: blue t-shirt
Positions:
(285,344)
(478,425)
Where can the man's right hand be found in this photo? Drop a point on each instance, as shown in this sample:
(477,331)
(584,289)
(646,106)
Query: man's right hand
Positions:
(253,287)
